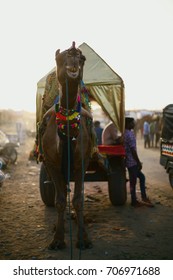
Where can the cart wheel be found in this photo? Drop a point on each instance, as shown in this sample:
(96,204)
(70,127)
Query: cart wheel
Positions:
(117,181)
(171,177)
(47,189)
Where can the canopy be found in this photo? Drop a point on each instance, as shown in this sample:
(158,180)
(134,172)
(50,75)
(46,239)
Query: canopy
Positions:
(103,83)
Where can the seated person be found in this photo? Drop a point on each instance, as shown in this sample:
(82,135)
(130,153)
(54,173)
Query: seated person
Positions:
(98,131)
(110,135)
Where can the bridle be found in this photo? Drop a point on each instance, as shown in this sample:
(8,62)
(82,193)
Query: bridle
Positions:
(72,60)
(68,120)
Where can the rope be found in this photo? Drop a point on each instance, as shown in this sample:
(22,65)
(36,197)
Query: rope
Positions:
(68,175)
(82,157)
(68,180)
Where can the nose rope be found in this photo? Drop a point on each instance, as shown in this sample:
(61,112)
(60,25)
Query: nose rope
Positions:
(83,174)
(79,98)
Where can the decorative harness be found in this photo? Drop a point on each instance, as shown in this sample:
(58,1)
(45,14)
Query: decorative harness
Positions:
(72,117)
(65,117)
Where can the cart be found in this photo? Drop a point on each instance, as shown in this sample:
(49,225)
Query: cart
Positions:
(114,175)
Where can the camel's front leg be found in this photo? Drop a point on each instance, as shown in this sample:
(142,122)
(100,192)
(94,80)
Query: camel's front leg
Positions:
(60,203)
(58,240)
(83,240)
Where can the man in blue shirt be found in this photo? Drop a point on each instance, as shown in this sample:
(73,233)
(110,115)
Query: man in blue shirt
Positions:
(98,130)
(146,133)
(134,165)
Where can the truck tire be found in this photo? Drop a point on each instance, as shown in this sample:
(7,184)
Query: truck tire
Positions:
(47,189)
(10,153)
(117,181)
(171,177)
(13,156)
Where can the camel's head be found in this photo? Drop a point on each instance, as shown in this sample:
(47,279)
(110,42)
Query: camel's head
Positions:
(70,64)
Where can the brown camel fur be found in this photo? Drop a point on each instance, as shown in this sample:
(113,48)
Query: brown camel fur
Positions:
(56,136)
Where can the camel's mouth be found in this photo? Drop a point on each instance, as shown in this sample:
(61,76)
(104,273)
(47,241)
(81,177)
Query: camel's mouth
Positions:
(72,72)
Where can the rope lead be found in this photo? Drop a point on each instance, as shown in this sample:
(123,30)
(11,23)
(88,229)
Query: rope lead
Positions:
(68,178)
(68,175)
(82,157)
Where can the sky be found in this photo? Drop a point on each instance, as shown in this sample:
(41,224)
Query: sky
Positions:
(135,37)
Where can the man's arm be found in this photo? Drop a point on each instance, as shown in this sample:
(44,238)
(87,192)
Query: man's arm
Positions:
(135,156)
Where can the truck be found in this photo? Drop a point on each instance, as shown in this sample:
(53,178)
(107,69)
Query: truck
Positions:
(166,143)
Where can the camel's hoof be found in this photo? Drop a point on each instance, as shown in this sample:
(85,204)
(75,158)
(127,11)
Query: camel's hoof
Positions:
(87,244)
(57,245)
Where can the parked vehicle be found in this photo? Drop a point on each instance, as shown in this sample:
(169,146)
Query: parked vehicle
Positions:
(166,143)
(2,178)
(8,150)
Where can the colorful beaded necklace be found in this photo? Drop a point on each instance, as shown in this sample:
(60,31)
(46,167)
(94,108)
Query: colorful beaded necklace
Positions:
(65,117)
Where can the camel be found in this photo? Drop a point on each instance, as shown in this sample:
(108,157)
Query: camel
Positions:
(66,144)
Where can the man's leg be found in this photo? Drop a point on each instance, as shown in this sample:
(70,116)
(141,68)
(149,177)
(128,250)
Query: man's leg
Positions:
(141,177)
(133,179)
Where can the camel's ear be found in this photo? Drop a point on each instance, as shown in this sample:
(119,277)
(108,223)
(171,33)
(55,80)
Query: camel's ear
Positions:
(57,53)
(83,58)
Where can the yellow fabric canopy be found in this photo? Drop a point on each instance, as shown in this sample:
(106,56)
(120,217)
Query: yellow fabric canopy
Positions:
(103,83)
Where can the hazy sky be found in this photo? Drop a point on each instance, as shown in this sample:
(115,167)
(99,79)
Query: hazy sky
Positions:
(135,37)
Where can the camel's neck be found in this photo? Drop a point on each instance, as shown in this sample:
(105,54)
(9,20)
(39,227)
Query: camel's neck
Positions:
(69,95)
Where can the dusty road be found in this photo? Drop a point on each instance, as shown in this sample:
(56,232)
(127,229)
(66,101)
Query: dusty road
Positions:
(26,225)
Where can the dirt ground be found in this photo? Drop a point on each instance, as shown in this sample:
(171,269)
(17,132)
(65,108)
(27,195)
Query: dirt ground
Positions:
(117,233)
